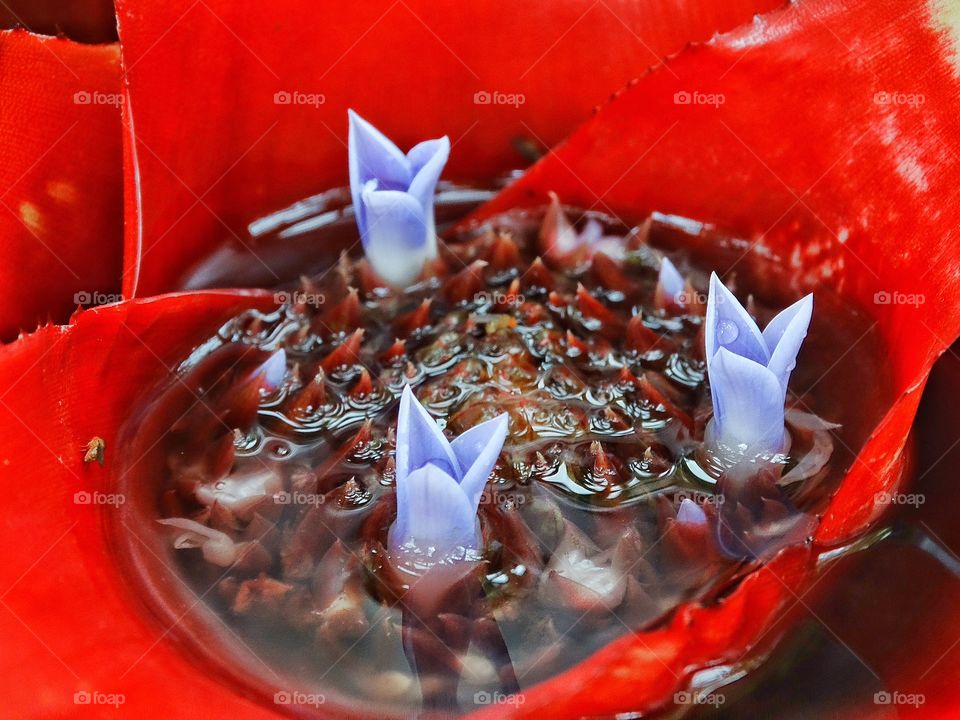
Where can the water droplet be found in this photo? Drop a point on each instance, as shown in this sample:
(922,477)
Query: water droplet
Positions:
(727,332)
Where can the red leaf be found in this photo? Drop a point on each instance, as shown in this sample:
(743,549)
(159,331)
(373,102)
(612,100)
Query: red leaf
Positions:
(68,621)
(60,220)
(213,150)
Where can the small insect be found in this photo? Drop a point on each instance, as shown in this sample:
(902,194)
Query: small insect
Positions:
(94,450)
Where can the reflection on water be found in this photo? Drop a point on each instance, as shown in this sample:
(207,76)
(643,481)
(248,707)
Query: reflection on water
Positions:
(275,501)
(877,638)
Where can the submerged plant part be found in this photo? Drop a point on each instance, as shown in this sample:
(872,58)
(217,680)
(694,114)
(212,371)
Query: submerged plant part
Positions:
(271,372)
(691,513)
(749,371)
(561,240)
(393,199)
(670,286)
(439,483)
(337,520)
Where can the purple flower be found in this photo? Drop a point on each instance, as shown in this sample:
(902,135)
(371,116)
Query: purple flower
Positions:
(691,513)
(749,370)
(439,483)
(393,200)
(272,371)
(670,284)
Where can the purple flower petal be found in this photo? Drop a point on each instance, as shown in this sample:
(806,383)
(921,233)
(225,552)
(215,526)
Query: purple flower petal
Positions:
(273,371)
(373,156)
(592,232)
(396,238)
(423,186)
(748,404)
(784,335)
(749,370)
(428,154)
(691,513)
(433,512)
(729,325)
(439,484)
(477,451)
(670,282)
(420,440)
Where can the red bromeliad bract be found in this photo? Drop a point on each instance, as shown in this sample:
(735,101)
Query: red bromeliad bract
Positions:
(61,218)
(263,125)
(63,215)
(856,188)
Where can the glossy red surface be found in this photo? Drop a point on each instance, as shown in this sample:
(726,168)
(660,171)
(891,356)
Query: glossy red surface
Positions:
(214,150)
(60,180)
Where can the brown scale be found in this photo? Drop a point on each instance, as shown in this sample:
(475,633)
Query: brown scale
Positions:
(579,517)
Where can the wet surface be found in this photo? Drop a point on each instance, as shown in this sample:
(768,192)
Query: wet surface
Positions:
(878,636)
(276,493)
